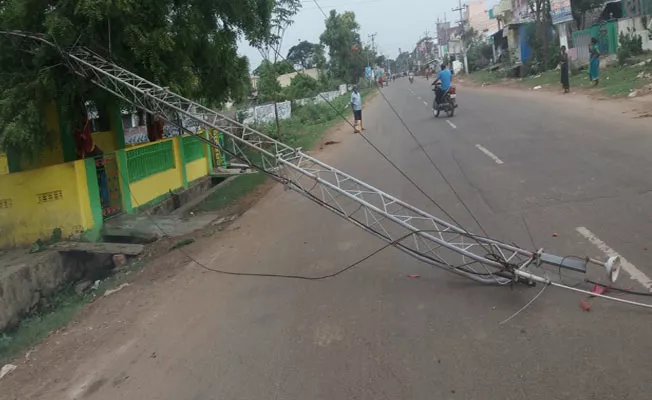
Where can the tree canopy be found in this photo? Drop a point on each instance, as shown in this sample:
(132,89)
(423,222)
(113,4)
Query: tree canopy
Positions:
(403,62)
(268,84)
(343,40)
(307,55)
(187,45)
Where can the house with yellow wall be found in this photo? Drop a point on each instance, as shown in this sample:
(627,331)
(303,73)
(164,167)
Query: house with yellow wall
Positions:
(56,190)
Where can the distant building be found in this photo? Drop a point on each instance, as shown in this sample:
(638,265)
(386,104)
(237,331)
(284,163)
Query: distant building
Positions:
(286,79)
(478,18)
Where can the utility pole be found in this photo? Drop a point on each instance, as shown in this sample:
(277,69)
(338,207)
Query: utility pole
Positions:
(461,8)
(373,41)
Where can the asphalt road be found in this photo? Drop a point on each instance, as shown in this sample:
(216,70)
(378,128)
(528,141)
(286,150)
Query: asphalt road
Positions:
(373,332)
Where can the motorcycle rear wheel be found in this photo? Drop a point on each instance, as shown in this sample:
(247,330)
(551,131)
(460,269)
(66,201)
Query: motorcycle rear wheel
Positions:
(451,112)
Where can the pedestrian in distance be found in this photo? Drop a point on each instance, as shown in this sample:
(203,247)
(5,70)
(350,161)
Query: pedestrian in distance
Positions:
(356,106)
(565,78)
(594,66)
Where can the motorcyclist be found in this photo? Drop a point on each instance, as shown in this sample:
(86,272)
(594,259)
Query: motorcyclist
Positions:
(411,76)
(444,77)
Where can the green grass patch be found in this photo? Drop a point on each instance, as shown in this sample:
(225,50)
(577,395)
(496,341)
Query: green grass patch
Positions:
(182,243)
(615,81)
(303,130)
(60,310)
(486,76)
(231,192)
(54,313)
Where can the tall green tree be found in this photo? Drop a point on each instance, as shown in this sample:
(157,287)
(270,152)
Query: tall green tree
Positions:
(282,14)
(403,62)
(269,87)
(187,45)
(342,38)
(305,54)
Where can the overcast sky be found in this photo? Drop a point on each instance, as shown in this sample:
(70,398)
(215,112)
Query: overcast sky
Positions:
(398,23)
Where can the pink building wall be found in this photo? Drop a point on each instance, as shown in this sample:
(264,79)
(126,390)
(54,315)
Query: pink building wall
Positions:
(478,17)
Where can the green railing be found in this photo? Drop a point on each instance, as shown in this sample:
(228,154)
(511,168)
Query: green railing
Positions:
(607,35)
(149,160)
(193,148)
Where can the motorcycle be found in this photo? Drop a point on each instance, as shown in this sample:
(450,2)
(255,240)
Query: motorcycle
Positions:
(447,103)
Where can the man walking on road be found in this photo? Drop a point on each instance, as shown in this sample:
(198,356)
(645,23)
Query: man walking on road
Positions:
(356,106)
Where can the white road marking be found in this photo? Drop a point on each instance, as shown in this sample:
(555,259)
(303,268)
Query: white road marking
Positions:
(628,267)
(489,154)
(451,124)
(425,103)
(411,91)
(419,97)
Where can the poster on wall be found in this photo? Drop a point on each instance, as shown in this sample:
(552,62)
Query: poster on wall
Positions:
(136,135)
(561,11)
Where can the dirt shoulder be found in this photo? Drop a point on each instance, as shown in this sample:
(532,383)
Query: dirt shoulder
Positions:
(616,81)
(72,361)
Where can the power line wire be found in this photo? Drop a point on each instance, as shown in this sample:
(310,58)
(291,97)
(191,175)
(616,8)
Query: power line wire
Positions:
(432,162)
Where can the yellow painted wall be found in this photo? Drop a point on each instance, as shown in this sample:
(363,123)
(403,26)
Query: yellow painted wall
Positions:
(4,167)
(52,153)
(105,141)
(196,169)
(148,189)
(33,203)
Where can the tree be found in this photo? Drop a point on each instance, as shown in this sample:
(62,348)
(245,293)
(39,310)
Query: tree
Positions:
(403,62)
(581,7)
(284,67)
(393,66)
(282,14)
(479,51)
(540,9)
(269,87)
(342,38)
(189,46)
(302,86)
(305,54)
(281,67)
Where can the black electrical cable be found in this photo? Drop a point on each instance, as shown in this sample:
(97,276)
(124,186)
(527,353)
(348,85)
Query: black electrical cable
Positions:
(318,200)
(391,162)
(278,178)
(459,198)
(618,289)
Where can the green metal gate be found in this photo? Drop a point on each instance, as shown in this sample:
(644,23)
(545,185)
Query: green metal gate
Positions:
(607,35)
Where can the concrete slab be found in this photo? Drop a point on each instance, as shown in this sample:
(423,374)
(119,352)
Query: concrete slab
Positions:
(152,227)
(101,248)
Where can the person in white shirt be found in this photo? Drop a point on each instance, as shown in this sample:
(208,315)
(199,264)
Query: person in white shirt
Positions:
(356,106)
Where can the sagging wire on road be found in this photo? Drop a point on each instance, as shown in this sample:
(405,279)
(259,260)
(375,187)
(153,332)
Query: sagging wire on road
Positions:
(380,152)
(432,162)
(394,165)
(90,66)
(280,179)
(465,268)
(545,281)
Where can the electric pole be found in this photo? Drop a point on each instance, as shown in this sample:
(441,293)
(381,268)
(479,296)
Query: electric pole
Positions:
(373,41)
(461,8)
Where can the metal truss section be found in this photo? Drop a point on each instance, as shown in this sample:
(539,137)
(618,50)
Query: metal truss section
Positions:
(414,231)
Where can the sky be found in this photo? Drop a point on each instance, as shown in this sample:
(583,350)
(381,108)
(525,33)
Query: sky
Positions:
(397,23)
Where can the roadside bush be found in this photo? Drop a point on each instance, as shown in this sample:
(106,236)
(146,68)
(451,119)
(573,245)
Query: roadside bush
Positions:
(631,44)
(479,55)
(302,86)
